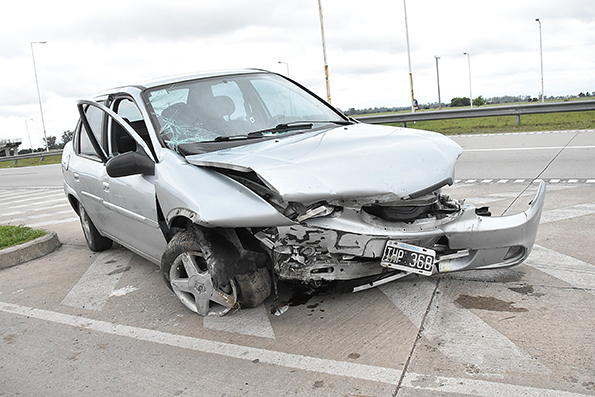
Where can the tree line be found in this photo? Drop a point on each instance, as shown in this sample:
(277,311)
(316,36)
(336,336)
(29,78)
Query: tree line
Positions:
(465,101)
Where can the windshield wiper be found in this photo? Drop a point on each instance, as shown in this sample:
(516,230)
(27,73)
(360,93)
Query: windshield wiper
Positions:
(283,127)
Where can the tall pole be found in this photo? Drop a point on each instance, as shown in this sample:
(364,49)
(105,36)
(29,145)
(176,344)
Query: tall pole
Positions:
(47,149)
(469,64)
(328,86)
(541,57)
(409,59)
(438,79)
(28,134)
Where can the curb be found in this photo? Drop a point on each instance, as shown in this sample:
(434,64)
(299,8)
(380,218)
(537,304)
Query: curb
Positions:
(30,250)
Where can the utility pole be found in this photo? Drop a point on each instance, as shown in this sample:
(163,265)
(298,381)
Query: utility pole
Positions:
(47,148)
(438,78)
(328,86)
(409,58)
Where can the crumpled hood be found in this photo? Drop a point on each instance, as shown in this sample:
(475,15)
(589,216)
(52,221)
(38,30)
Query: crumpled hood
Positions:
(344,163)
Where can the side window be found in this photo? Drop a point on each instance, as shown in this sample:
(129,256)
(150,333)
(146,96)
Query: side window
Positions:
(120,140)
(95,119)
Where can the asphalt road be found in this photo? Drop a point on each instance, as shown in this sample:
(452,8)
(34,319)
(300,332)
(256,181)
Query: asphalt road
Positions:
(79,323)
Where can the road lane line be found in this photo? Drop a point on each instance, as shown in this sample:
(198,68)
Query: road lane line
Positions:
(254,322)
(574,211)
(288,360)
(97,284)
(573,271)
(475,387)
(306,363)
(457,332)
(515,149)
(57,222)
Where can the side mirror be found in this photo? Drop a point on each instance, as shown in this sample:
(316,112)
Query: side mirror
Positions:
(130,163)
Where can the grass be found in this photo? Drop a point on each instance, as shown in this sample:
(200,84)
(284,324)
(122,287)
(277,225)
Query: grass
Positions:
(529,122)
(15,235)
(55,159)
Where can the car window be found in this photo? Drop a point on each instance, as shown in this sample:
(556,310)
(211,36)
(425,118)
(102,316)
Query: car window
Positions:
(285,105)
(95,119)
(119,140)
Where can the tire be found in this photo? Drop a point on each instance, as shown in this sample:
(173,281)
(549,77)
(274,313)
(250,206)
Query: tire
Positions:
(95,241)
(185,270)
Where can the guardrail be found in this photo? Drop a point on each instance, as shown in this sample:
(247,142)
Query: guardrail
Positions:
(484,111)
(31,156)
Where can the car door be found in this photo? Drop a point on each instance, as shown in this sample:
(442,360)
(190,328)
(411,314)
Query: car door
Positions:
(87,167)
(129,202)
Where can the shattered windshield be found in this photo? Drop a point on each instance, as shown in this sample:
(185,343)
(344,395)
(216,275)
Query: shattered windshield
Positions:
(206,110)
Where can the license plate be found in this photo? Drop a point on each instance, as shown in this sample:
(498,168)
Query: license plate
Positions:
(409,258)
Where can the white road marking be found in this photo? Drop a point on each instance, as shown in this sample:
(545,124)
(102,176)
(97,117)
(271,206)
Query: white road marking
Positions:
(573,271)
(57,222)
(516,149)
(306,363)
(474,387)
(288,360)
(254,322)
(457,332)
(95,287)
(568,212)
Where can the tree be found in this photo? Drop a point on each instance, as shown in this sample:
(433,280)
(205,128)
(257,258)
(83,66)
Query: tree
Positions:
(66,137)
(460,102)
(479,101)
(51,143)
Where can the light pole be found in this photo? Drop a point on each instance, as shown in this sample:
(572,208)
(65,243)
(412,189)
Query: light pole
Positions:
(438,79)
(28,134)
(38,94)
(541,57)
(328,86)
(409,59)
(287,65)
(469,64)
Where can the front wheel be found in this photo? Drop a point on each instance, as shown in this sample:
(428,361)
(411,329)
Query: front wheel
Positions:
(185,269)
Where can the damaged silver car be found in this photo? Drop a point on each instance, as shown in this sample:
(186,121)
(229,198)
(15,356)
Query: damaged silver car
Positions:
(235,180)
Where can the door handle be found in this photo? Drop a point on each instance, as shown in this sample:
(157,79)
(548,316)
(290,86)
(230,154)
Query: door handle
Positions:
(106,187)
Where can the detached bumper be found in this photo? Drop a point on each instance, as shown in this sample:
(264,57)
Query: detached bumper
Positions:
(492,242)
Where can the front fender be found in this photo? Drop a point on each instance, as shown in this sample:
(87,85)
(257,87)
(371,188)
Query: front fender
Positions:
(209,198)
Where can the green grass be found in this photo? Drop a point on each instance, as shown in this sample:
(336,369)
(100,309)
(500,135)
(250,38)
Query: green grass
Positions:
(55,159)
(530,122)
(15,235)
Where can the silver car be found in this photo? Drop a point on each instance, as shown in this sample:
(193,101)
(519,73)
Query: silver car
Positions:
(234,180)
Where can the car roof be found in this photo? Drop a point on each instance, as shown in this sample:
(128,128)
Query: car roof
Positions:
(177,78)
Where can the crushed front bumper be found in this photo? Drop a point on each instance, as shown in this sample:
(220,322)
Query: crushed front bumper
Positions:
(350,246)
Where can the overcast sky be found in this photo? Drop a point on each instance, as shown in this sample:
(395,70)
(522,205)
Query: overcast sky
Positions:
(92,46)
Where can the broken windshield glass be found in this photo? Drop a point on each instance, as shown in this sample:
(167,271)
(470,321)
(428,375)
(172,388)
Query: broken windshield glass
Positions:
(226,107)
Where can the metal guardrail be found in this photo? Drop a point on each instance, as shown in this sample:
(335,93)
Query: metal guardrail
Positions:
(31,156)
(484,111)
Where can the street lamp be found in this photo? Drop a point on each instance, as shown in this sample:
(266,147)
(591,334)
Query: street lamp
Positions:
(469,63)
(287,65)
(438,79)
(38,94)
(28,134)
(541,57)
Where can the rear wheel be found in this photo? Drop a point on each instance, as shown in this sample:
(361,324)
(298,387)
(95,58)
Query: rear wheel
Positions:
(95,241)
(186,272)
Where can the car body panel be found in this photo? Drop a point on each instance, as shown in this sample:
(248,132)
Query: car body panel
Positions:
(354,162)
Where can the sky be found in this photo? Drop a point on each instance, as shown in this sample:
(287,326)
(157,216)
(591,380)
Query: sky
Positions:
(99,45)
